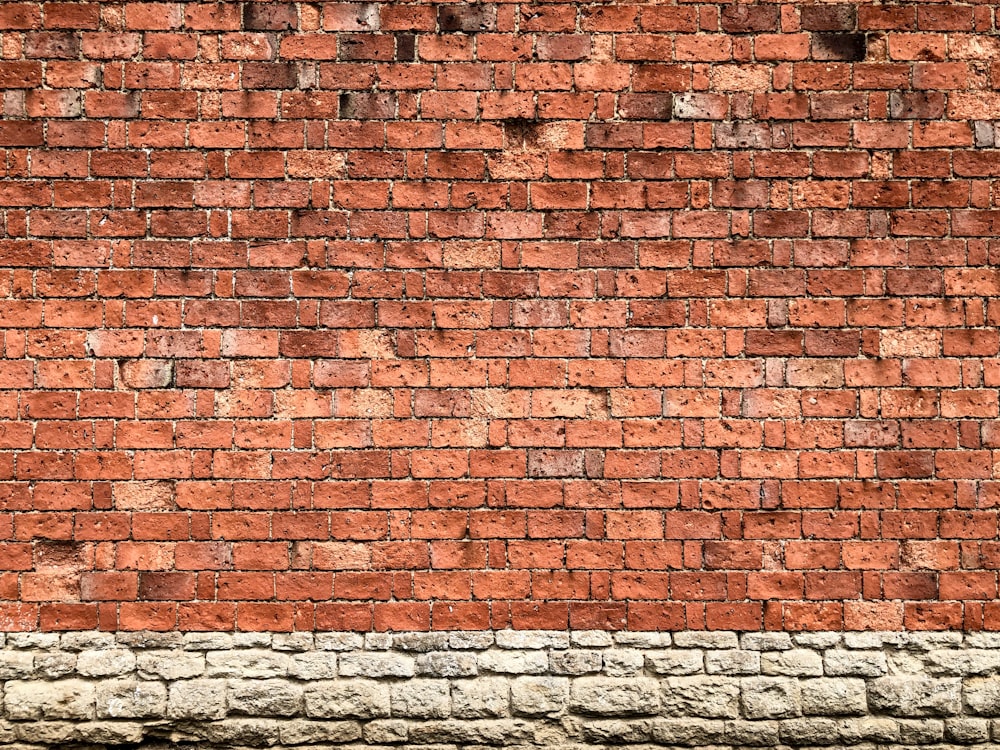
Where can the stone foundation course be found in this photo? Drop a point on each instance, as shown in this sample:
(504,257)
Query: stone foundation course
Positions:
(503,689)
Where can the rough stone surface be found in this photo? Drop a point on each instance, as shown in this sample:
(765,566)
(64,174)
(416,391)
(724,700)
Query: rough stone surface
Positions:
(539,689)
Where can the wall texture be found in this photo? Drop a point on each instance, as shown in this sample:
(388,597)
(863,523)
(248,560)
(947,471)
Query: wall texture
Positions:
(572,317)
(461,316)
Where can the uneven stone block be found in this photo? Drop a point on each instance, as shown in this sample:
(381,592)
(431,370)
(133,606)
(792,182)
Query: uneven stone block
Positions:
(60,699)
(197,699)
(264,697)
(421,699)
(598,695)
(703,697)
(346,699)
(131,699)
(479,698)
(770,698)
(915,696)
(535,696)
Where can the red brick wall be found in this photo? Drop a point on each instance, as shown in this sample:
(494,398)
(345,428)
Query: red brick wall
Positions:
(416,315)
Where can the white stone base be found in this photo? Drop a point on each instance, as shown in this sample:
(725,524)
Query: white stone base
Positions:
(514,689)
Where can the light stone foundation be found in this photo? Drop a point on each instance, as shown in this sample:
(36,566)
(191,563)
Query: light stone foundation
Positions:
(506,689)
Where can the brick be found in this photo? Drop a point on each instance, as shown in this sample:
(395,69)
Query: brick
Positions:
(696,303)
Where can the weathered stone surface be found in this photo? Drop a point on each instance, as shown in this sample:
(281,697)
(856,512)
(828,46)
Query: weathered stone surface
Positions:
(110,733)
(105,663)
(514,662)
(732,662)
(208,641)
(46,732)
(675,661)
(346,699)
(838,663)
(535,696)
(378,641)
(915,696)
(982,695)
(762,733)
(962,662)
(249,663)
(421,699)
(447,664)
(528,639)
(303,732)
(590,638)
(595,695)
(480,698)
(367,664)
(313,665)
(253,732)
(60,699)
(807,731)
(483,731)
(16,664)
(422,642)
(197,699)
(170,665)
(443,691)
(765,641)
(703,697)
(147,639)
(53,665)
(833,697)
(687,731)
(264,697)
(470,639)
(82,640)
(339,641)
(867,729)
(797,662)
(622,662)
(130,699)
(643,640)
(770,698)
(920,731)
(706,639)
(617,731)
(386,730)
(574,662)
(292,641)
(966,731)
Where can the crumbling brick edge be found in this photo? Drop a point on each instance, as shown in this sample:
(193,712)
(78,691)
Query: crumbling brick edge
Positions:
(550,689)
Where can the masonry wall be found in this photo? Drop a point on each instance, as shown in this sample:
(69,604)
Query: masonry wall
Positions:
(417,316)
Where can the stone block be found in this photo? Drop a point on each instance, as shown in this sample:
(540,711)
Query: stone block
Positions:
(265,697)
(480,698)
(616,697)
(197,699)
(702,697)
(347,699)
(770,698)
(536,696)
(420,699)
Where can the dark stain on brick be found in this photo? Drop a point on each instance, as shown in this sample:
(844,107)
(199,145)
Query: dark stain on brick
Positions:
(743,19)
(520,133)
(406,47)
(357,106)
(269,75)
(269,16)
(846,47)
(467,17)
(829,17)
(916,106)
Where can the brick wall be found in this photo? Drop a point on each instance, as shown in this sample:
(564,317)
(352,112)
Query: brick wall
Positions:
(408,316)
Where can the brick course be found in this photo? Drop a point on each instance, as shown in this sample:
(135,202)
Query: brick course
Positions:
(408,316)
